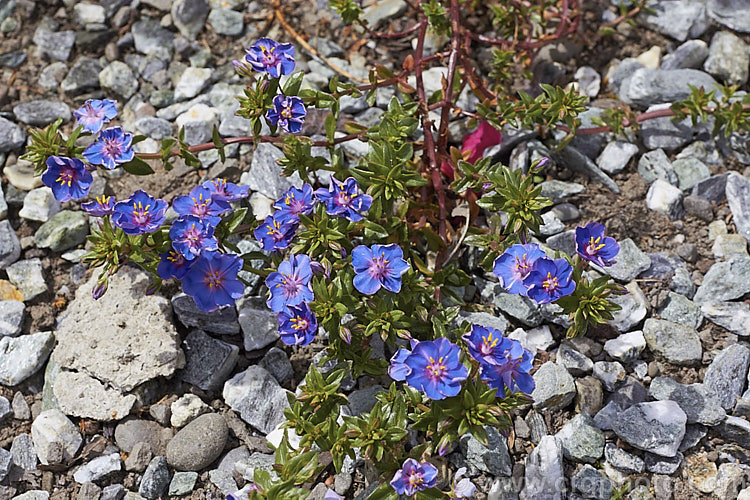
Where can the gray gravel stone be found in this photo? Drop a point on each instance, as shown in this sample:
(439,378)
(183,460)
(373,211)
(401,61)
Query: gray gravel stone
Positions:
(191,83)
(724,376)
(113,492)
(23,356)
(665,198)
(725,280)
(656,165)
(576,363)
(42,112)
(634,308)
(679,19)
(591,483)
(610,373)
(554,387)
(734,316)
(198,444)
(54,45)
(23,451)
(28,277)
(151,39)
(226,22)
(265,174)
(189,16)
(689,172)
(6,461)
(155,480)
(64,230)
(11,136)
(696,400)
(139,457)
(559,191)
(665,133)
(627,347)
(690,54)
(53,427)
(259,325)
(738,197)
(581,440)
(277,363)
(657,427)
(734,14)
(615,156)
(677,343)
(39,205)
(12,313)
(222,321)
(208,361)
(119,79)
(493,459)
(631,262)
(728,58)
(81,395)
(257,397)
(182,483)
(662,465)
(737,430)
(98,468)
(622,460)
(544,470)
(680,309)
(645,87)
(21,410)
(133,431)
(82,77)
(153,127)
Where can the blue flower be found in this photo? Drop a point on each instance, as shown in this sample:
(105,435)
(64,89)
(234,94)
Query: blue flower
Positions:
(512,370)
(200,204)
(290,284)
(515,264)
(140,213)
(67,177)
(112,148)
(287,112)
(294,202)
(191,235)
(274,234)
(592,245)
(413,477)
(398,369)
(95,113)
(103,205)
(486,345)
(436,368)
(297,325)
(344,199)
(379,265)
(212,280)
(173,265)
(549,280)
(271,57)
(222,190)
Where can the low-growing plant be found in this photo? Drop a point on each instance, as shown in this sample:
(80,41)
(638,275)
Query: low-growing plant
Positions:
(377,252)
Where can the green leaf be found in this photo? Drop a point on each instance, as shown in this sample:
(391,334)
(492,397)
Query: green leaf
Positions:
(138,138)
(219,144)
(292,85)
(136,166)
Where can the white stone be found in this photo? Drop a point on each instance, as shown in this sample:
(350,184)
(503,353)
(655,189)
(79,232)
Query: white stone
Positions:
(52,426)
(185,409)
(651,58)
(197,113)
(39,204)
(627,347)
(192,81)
(80,395)
(22,356)
(27,276)
(615,156)
(98,468)
(87,13)
(663,197)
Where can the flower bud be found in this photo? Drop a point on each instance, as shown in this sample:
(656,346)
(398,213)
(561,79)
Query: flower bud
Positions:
(346,334)
(99,290)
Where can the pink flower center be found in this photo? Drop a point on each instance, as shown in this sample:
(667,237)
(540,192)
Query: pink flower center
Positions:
(141,215)
(112,148)
(213,279)
(291,285)
(378,267)
(551,283)
(200,206)
(67,176)
(436,369)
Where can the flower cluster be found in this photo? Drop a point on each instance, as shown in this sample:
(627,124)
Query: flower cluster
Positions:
(208,276)
(503,362)
(525,270)
(276,59)
(289,286)
(70,178)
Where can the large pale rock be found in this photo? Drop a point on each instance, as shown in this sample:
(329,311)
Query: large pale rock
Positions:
(82,396)
(257,397)
(123,339)
(53,427)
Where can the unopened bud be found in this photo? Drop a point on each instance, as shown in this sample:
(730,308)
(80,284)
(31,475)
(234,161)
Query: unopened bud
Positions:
(99,290)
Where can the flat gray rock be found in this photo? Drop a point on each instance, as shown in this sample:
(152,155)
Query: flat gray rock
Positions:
(264,175)
(728,58)
(733,14)
(42,112)
(645,87)
(12,313)
(738,197)
(123,339)
(734,316)
(726,375)
(257,397)
(657,427)
(80,395)
(622,460)
(582,441)
(554,387)
(681,19)
(699,404)
(680,309)
(23,356)
(631,262)
(208,361)
(544,471)
(259,325)
(690,54)
(493,459)
(634,308)
(725,280)
(222,321)
(677,343)
(11,136)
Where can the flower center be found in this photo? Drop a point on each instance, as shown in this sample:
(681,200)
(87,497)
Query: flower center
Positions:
(200,206)
(342,199)
(213,279)
(193,236)
(379,267)
(436,369)
(274,230)
(297,206)
(112,147)
(594,246)
(290,285)
(551,283)
(488,345)
(416,479)
(300,323)
(141,215)
(522,267)
(67,176)
(286,112)
(175,257)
